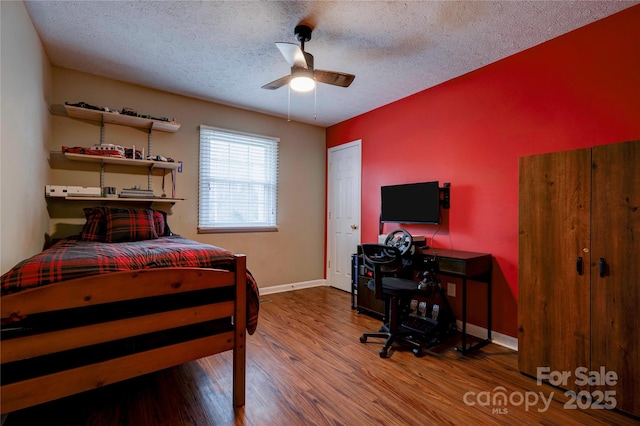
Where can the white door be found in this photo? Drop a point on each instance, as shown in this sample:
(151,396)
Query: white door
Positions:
(343,212)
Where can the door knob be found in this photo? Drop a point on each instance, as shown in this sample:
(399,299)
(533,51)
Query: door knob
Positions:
(354,227)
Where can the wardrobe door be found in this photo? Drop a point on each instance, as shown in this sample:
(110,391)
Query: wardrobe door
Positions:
(553,265)
(615,270)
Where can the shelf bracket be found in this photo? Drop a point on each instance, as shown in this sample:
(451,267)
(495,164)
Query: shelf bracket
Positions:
(102,130)
(150,142)
(102,175)
(149,149)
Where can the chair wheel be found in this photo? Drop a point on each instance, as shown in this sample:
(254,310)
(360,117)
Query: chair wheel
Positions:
(383,353)
(363,339)
(417,352)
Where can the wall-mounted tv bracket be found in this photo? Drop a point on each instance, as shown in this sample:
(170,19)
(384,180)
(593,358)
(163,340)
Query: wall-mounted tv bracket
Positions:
(445,200)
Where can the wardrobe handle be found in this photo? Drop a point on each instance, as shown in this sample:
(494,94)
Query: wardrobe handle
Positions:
(579,265)
(603,267)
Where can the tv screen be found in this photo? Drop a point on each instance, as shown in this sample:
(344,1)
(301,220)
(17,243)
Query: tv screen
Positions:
(411,203)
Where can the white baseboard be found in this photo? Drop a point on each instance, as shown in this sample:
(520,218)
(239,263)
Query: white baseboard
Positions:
(295,286)
(497,338)
(474,330)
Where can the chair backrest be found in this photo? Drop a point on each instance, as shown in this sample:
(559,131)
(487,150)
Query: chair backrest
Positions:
(383,261)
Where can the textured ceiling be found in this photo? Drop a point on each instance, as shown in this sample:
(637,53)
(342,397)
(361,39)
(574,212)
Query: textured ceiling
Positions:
(224,51)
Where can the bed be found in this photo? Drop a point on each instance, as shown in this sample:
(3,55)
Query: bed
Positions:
(122,299)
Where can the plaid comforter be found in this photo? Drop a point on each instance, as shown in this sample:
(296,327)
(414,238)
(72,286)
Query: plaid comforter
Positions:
(72,258)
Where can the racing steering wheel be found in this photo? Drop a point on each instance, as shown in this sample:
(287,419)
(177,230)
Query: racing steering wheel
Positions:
(399,239)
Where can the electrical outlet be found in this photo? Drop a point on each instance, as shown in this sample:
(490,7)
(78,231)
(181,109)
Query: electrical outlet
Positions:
(451,289)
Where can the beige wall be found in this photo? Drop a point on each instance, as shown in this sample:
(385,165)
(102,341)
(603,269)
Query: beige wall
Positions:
(293,254)
(25,136)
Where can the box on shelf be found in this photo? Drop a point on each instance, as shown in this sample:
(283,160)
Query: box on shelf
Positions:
(74,191)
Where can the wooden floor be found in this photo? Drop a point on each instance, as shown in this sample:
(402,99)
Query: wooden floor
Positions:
(306,366)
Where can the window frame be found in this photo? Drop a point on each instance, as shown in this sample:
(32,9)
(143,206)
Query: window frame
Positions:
(271,195)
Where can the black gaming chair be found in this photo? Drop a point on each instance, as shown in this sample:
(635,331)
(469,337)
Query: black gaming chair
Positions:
(386,264)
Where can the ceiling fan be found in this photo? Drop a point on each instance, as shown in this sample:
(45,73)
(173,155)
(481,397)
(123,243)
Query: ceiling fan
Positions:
(303,75)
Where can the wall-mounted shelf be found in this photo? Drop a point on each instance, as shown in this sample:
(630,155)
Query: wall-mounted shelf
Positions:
(121,119)
(125,199)
(148,124)
(122,161)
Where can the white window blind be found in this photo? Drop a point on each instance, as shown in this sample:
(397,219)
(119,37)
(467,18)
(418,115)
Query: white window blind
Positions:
(238,181)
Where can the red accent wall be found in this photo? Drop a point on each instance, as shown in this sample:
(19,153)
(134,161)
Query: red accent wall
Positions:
(578,90)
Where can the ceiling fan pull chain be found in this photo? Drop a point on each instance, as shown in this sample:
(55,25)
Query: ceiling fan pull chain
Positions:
(289,104)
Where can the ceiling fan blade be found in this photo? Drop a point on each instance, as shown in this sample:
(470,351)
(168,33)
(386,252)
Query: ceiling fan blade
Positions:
(276,84)
(335,78)
(293,54)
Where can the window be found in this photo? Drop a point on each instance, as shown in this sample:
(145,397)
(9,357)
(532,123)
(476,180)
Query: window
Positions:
(238,181)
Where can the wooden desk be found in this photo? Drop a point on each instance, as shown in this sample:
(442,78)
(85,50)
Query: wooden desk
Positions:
(465,265)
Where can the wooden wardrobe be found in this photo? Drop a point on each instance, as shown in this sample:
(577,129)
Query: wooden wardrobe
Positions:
(579,268)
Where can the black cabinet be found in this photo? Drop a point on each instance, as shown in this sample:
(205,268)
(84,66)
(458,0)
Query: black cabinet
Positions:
(363,299)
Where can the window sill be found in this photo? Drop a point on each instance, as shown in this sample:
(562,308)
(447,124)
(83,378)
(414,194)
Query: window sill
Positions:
(237,229)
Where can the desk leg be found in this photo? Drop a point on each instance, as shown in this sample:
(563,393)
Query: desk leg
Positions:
(465,349)
(489,309)
(464,315)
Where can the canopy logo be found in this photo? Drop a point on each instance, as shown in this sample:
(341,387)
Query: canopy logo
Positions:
(499,400)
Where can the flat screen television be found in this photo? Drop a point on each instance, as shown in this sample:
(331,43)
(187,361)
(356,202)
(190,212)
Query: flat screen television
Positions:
(411,203)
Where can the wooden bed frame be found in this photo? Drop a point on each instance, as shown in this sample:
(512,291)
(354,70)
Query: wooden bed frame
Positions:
(113,288)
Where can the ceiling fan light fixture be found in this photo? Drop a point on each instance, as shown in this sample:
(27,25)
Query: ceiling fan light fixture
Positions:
(302,84)
(302,81)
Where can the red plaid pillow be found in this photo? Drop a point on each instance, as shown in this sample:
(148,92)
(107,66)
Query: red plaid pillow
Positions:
(159,222)
(95,228)
(130,225)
